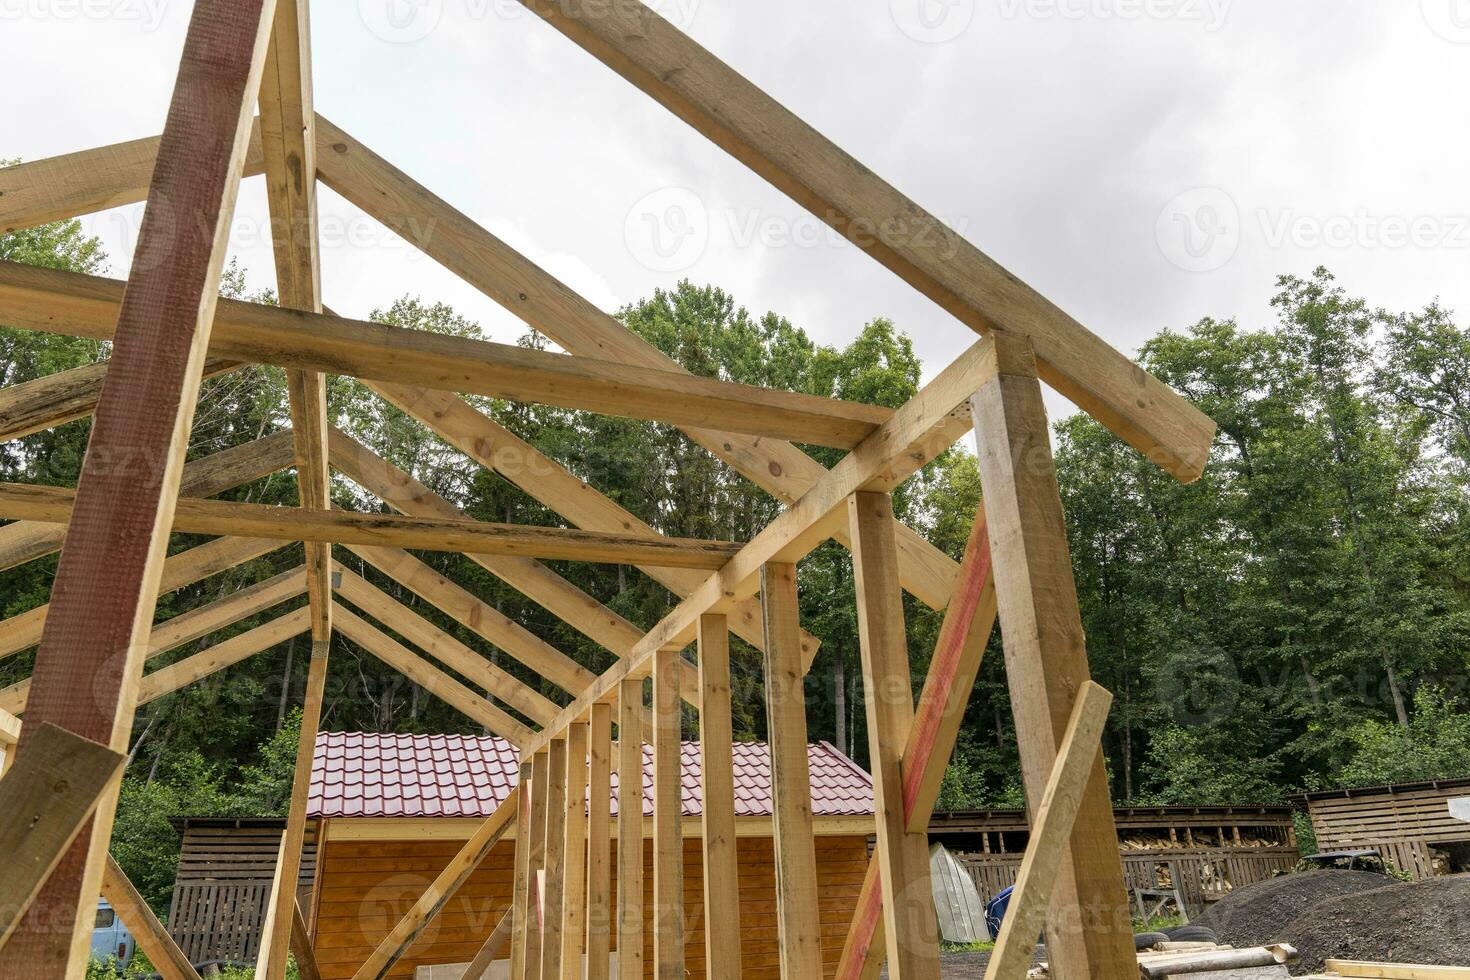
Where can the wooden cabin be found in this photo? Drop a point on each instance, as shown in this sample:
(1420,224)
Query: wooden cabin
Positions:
(1409,824)
(1203,851)
(392,810)
(223,884)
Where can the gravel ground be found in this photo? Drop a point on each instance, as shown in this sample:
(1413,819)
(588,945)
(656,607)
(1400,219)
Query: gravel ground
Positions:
(1257,914)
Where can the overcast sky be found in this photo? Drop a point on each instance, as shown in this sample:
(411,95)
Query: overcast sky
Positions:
(1142,162)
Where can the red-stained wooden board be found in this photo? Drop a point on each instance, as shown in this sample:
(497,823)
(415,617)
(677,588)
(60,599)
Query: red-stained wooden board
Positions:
(102,603)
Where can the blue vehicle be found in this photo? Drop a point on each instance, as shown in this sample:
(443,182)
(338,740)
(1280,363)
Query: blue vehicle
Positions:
(110,938)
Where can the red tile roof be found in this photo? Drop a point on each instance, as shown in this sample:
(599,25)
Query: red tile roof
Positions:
(356,774)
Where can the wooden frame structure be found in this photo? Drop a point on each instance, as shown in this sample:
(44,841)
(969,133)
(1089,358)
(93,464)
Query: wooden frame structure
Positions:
(96,634)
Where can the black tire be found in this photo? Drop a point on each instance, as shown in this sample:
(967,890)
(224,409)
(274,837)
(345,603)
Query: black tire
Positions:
(1148,940)
(1192,934)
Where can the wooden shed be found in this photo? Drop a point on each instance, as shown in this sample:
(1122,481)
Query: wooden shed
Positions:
(1204,851)
(223,885)
(1408,823)
(393,810)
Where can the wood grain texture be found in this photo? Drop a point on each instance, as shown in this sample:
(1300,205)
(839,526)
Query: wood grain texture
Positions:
(668,842)
(491,950)
(530,957)
(717,789)
(108,579)
(574,847)
(556,860)
(630,830)
(224,654)
(634,41)
(192,515)
(47,795)
(530,293)
(1051,826)
(437,895)
(791,788)
(599,842)
(1046,656)
(152,938)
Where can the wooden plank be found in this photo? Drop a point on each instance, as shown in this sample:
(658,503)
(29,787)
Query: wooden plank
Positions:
(599,842)
(909,923)
(288,144)
(520,885)
(527,950)
(301,947)
(24,630)
(47,795)
(152,938)
(300,340)
(634,41)
(380,963)
(427,676)
(668,842)
(443,647)
(574,851)
(35,502)
(1045,651)
(74,184)
(717,786)
(224,654)
(44,403)
(495,447)
(918,432)
(1396,971)
(491,950)
(195,624)
(968,622)
(1051,826)
(275,932)
(556,860)
(579,326)
(630,830)
(791,788)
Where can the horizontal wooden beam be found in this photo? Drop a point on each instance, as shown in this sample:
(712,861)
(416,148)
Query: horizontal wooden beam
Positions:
(23,630)
(38,503)
(426,675)
(443,647)
(26,541)
(196,623)
(461,828)
(923,428)
(47,795)
(634,41)
(227,653)
(72,303)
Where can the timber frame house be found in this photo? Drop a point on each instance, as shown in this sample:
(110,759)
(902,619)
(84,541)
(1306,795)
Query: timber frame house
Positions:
(169,329)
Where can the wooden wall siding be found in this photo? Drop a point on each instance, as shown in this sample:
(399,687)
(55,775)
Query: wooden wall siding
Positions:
(222,887)
(366,886)
(1403,825)
(1200,876)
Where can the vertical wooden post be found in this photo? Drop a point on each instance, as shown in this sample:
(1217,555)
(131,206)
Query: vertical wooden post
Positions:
(630,830)
(717,784)
(798,922)
(535,899)
(668,835)
(276,932)
(96,635)
(556,861)
(909,924)
(521,895)
(599,841)
(1089,934)
(574,854)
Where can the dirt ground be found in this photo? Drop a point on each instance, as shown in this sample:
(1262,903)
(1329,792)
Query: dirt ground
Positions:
(1351,915)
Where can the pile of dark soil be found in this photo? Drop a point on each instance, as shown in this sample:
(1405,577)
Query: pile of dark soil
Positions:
(1422,922)
(1259,914)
